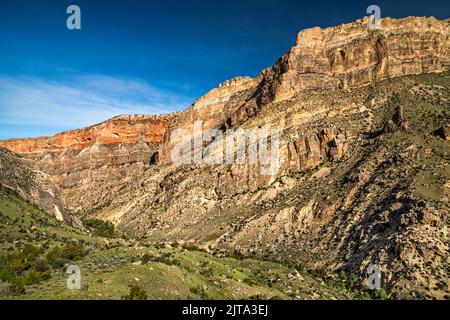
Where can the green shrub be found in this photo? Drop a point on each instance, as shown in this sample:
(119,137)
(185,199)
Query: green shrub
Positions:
(136,293)
(166,259)
(30,252)
(146,258)
(17,269)
(192,247)
(196,290)
(55,258)
(208,272)
(380,294)
(200,292)
(251,281)
(32,276)
(19,287)
(319,273)
(101,228)
(58,257)
(41,265)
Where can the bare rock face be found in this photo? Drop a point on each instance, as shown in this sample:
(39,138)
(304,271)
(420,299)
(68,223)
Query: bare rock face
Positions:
(122,129)
(352,55)
(304,153)
(308,152)
(34,186)
(76,158)
(345,56)
(214,110)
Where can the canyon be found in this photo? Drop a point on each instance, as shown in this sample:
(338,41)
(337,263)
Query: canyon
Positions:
(363,177)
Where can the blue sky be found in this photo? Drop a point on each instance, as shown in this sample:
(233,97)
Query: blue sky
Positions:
(137,56)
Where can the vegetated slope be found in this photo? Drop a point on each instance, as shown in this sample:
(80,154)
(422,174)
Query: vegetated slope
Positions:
(35,250)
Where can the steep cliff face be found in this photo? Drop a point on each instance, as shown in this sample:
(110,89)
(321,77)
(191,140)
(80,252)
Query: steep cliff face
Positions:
(352,55)
(86,158)
(346,56)
(214,110)
(119,130)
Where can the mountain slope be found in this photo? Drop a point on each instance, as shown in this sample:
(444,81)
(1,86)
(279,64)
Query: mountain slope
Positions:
(37,187)
(110,266)
(385,201)
(363,177)
(343,57)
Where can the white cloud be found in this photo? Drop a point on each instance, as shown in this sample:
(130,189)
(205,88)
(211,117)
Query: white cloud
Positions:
(80,101)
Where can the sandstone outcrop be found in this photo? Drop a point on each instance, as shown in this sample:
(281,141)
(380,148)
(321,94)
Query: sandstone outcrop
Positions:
(346,56)
(352,55)
(119,130)
(398,122)
(78,157)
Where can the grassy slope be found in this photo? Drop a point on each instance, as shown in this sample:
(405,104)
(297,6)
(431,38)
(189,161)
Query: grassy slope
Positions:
(172,273)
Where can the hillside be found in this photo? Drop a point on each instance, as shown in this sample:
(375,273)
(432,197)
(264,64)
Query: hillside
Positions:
(363,174)
(110,266)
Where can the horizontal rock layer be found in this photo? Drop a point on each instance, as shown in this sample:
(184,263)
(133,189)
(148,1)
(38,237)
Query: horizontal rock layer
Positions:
(345,56)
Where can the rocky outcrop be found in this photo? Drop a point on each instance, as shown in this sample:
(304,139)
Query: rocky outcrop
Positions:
(120,130)
(398,123)
(214,110)
(83,157)
(352,55)
(308,152)
(303,153)
(34,186)
(346,56)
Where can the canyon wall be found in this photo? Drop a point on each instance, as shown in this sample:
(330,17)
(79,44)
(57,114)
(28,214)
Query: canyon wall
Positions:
(119,130)
(35,186)
(85,158)
(346,56)
(352,55)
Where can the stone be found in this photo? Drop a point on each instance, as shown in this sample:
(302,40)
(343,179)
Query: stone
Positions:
(397,123)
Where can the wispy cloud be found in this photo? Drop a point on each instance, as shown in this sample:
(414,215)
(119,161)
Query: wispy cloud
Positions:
(81,100)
